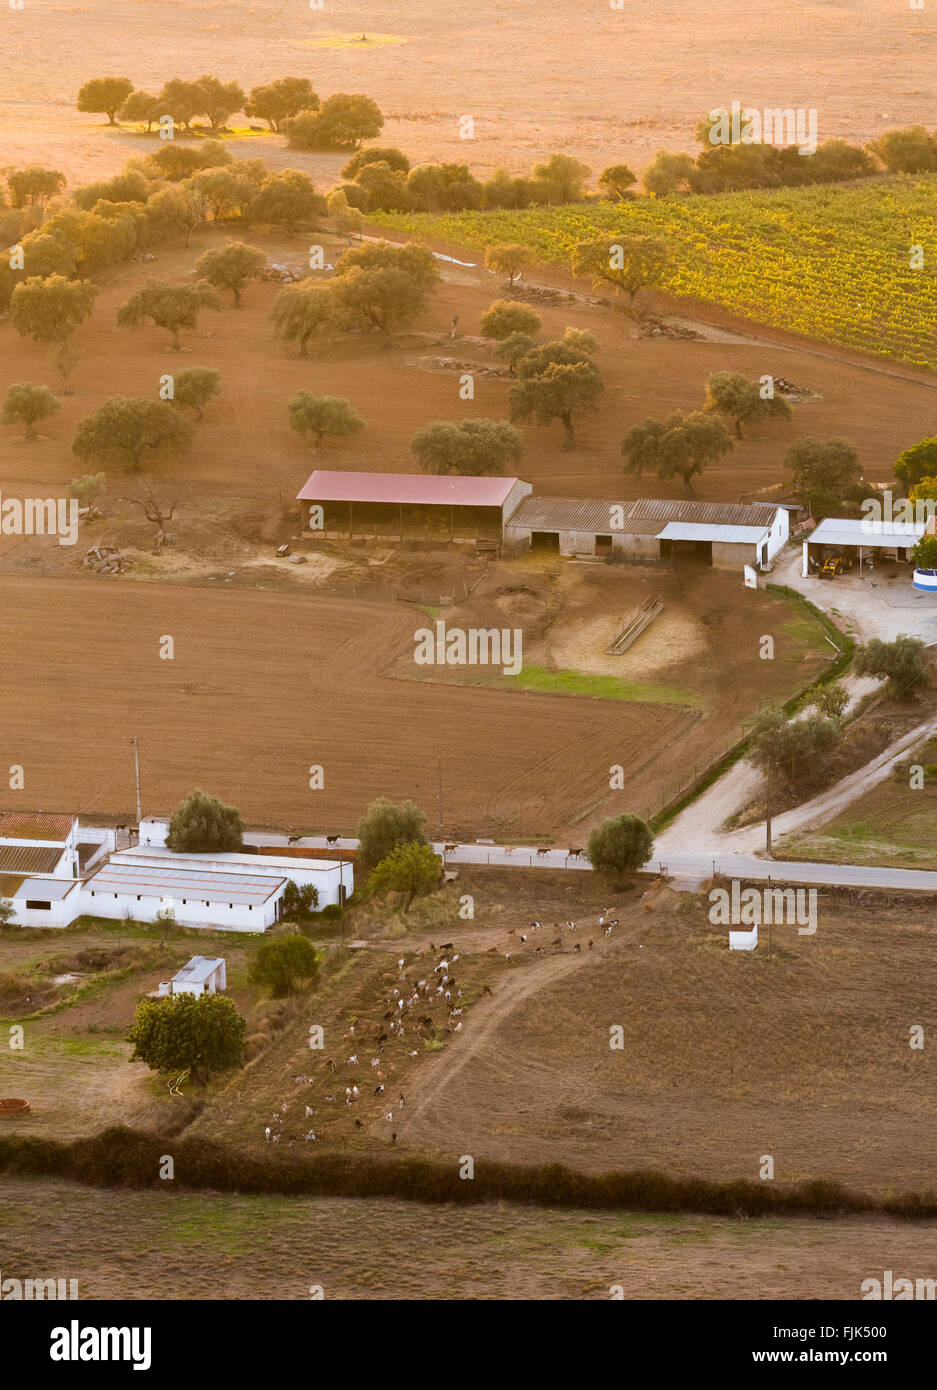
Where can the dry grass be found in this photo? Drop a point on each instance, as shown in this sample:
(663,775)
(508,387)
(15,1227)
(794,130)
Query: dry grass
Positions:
(165,1246)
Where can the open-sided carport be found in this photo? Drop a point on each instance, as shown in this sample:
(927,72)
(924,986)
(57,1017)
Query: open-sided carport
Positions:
(861,539)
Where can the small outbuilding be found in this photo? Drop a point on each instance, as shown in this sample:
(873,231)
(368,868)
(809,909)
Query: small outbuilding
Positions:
(201,975)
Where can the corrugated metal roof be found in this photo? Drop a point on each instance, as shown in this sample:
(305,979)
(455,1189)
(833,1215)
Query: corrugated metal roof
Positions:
(220,863)
(701,531)
(198,968)
(35,825)
(46,889)
(838,530)
(644,517)
(405,489)
(9,883)
(592,514)
(718,513)
(28,859)
(155,881)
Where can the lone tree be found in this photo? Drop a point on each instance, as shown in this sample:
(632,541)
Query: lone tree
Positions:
(386,825)
(156,511)
(25,404)
(201,824)
(742,401)
(917,463)
(318,416)
(104,94)
(198,1034)
(826,467)
(681,446)
(276,101)
(195,387)
(514,348)
(630,264)
(49,310)
(343,122)
(556,382)
(230,267)
(284,964)
(7,911)
(616,182)
(300,902)
(176,212)
(797,751)
(376,154)
(510,260)
(305,312)
(831,700)
(140,106)
(87,489)
(385,299)
(566,177)
(620,845)
(33,185)
(172,307)
(128,430)
(470,447)
(384,286)
(924,554)
(218,99)
(902,662)
(504,318)
(287,199)
(410,869)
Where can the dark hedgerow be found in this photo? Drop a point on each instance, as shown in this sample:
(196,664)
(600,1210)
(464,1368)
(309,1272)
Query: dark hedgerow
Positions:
(123,1157)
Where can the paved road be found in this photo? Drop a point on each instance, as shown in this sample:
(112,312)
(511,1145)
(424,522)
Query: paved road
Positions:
(693,869)
(687,870)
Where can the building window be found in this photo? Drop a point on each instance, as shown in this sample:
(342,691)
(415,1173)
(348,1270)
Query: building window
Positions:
(37,906)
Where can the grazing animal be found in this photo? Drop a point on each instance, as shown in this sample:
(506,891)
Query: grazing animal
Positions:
(449,849)
(267,1131)
(577,948)
(446,946)
(375,1061)
(353,1060)
(332,840)
(389,1116)
(558,941)
(575,853)
(590,945)
(542,852)
(379,1090)
(393,1137)
(309,1111)
(359,1124)
(293,839)
(536,925)
(487,990)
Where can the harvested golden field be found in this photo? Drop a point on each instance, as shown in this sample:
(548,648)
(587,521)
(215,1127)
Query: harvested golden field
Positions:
(654,69)
(156,1245)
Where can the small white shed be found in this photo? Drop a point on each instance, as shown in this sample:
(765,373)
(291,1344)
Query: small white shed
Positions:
(200,975)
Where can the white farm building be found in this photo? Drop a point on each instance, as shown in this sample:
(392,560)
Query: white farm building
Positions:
(200,975)
(228,892)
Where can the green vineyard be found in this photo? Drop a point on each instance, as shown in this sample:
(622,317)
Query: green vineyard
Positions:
(833,264)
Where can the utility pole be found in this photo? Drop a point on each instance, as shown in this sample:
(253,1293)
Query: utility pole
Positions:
(768,814)
(439,770)
(135,743)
